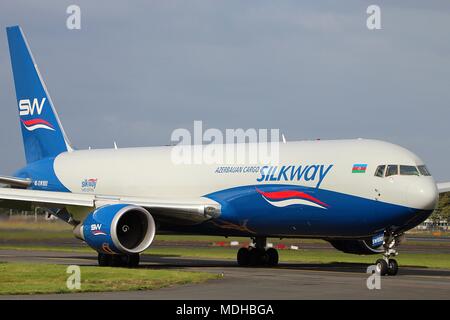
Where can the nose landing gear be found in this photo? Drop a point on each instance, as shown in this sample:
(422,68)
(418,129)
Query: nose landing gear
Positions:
(387,265)
(257,255)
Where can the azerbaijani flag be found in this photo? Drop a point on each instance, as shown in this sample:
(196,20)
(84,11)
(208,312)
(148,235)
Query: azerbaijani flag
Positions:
(359,168)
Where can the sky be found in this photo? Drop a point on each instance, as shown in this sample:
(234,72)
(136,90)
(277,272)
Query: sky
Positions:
(136,71)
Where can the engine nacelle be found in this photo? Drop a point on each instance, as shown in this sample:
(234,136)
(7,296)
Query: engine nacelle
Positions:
(357,246)
(118,229)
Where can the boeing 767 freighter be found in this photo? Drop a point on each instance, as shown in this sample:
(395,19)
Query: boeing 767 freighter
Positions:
(359,195)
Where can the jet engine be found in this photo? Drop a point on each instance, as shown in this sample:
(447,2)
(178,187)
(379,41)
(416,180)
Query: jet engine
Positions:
(117,229)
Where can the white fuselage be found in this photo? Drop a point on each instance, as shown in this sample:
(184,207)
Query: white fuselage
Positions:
(151,172)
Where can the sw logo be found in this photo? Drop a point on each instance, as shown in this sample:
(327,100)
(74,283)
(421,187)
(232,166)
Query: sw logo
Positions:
(96,230)
(28,108)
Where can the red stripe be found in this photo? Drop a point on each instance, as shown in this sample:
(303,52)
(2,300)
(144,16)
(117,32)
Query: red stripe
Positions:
(36,121)
(280,195)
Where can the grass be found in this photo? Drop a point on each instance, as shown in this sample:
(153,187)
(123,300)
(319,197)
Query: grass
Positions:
(22,230)
(31,235)
(427,260)
(429,234)
(43,230)
(45,248)
(40,225)
(20,278)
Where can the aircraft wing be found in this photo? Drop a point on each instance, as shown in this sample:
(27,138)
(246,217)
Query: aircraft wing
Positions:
(186,211)
(15,182)
(443,187)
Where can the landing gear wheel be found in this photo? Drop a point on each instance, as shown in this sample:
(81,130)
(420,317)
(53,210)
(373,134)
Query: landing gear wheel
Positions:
(273,257)
(392,267)
(104,260)
(243,257)
(387,265)
(257,257)
(132,260)
(117,261)
(382,267)
(124,260)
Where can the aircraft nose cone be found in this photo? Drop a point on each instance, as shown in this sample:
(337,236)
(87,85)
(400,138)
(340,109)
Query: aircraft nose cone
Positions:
(423,195)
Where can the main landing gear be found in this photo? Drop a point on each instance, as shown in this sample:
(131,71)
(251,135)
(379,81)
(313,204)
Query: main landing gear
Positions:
(118,260)
(257,255)
(387,265)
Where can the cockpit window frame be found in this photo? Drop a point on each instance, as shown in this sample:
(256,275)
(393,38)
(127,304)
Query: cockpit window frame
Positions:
(387,170)
(380,171)
(423,170)
(405,173)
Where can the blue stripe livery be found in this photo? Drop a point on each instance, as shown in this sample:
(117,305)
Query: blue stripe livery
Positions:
(245,210)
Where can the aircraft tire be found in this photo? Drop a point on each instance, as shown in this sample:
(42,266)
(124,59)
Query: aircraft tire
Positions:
(272,257)
(104,260)
(382,267)
(118,261)
(133,260)
(257,257)
(392,267)
(243,257)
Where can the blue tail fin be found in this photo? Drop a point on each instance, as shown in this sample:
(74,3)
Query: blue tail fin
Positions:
(43,134)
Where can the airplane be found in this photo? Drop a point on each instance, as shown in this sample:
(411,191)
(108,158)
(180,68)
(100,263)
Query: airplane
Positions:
(359,195)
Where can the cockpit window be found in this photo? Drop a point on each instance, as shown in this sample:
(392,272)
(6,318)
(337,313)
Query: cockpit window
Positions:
(408,171)
(423,170)
(392,170)
(380,171)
